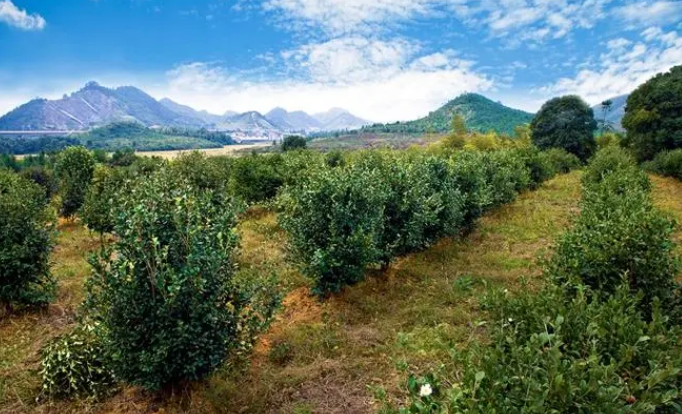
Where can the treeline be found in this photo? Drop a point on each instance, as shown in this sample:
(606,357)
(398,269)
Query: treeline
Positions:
(120,136)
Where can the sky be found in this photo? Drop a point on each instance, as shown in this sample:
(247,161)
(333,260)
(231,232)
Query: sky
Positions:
(384,60)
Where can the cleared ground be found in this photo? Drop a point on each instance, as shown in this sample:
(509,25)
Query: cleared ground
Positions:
(321,358)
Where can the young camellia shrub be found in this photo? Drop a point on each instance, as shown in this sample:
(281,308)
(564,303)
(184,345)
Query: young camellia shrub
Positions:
(164,293)
(619,234)
(561,160)
(605,162)
(334,221)
(74,171)
(74,365)
(552,353)
(25,243)
(98,211)
(666,163)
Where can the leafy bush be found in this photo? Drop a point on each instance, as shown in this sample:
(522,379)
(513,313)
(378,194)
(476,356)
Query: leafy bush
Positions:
(562,161)
(619,234)
(292,143)
(256,178)
(25,243)
(74,170)
(666,163)
(44,178)
(99,209)
(607,161)
(334,220)
(566,122)
(166,299)
(653,115)
(74,365)
(548,352)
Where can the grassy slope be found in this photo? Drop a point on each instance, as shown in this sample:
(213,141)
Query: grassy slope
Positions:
(320,357)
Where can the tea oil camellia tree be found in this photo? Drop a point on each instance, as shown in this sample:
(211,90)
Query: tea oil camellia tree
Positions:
(74,169)
(25,243)
(166,299)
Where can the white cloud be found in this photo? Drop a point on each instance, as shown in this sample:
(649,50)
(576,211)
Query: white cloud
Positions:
(647,13)
(378,80)
(525,20)
(346,16)
(13,16)
(623,67)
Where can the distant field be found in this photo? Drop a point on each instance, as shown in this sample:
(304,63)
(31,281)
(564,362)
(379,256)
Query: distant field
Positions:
(212,152)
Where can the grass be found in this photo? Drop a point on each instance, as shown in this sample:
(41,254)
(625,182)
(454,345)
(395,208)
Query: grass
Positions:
(322,357)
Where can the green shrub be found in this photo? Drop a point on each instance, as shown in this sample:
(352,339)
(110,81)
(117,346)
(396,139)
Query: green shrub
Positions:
(164,293)
(552,353)
(666,163)
(256,178)
(123,158)
(99,209)
(292,143)
(74,365)
(74,170)
(334,221)
(607,161)
(562,161)
(619,234)
(507,174)
(44,178)
(26,230)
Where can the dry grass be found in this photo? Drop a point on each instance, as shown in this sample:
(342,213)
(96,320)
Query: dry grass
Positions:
(321,357)
(667,194)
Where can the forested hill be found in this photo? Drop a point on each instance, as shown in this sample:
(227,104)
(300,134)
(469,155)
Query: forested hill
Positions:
(481,115)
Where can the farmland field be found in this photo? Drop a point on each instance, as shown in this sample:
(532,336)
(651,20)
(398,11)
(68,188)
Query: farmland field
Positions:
(321,357)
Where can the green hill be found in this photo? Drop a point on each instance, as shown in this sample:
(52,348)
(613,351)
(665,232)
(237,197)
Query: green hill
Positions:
(481,115)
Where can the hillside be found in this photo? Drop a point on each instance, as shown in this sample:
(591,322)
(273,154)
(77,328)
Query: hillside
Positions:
(481,114)
(122,135)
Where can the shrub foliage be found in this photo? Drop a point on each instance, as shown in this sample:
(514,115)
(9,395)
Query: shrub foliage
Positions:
(74,170)
(25,243)
(166,301)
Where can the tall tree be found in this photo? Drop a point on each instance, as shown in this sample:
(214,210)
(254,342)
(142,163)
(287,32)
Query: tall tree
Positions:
(566,122)
(653,115)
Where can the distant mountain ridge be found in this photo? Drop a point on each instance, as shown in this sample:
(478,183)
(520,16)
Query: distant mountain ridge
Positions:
(481,114)
(95,106)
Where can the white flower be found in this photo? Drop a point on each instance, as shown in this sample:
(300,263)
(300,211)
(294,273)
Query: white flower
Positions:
(425,390)
(511,320)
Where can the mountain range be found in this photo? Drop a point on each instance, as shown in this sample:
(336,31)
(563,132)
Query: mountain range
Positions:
(480,113)
(95,106)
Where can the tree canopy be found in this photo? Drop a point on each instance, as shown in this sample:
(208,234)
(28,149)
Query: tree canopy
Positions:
(653,116)
(566,122)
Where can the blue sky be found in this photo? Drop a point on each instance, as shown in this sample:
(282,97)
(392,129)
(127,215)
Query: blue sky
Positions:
(384,60)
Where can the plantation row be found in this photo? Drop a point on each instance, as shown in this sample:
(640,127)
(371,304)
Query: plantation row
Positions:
(602,336)
(379,206)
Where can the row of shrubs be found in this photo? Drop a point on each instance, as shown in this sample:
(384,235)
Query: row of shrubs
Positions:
(380,205)
(602,336)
